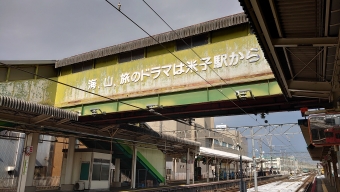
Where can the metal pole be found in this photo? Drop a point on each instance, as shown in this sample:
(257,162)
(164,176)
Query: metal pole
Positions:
(271,157)
(254,160)
(241,175)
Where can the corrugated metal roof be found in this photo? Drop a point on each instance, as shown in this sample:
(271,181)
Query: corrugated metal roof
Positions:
(162,38)
(155,134)
(299,18)
(180,140)
(222,154)
(26,106)
(296,62)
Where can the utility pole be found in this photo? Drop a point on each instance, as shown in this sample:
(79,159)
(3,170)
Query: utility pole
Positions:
(242,185)
(261,154)
(271,157)
(254,160)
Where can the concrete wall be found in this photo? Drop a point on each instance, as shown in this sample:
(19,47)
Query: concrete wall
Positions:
(155,158)
(80,157)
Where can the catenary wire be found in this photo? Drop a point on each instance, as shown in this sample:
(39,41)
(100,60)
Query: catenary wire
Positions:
(116,100)
(191,50)
(176,56)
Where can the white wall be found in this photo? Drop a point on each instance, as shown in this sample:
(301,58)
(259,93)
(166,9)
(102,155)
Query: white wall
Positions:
(155,158)
(43,151)
(101,184)
(80,157)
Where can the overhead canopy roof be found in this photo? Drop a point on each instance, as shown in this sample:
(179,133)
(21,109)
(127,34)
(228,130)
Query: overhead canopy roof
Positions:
(23,116)
(300,40)
(222,154)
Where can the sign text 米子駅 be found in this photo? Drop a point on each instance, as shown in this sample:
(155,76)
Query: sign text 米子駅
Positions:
(234,61)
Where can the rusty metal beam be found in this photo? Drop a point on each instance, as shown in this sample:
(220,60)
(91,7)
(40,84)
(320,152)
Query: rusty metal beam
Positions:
(265,34)
(40,118)
(308,86)
(316,42)
(311,95)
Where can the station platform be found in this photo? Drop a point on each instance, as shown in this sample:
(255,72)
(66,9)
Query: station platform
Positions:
(323,185)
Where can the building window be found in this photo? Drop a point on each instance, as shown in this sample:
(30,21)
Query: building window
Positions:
(83,66)
(131,55)
(101,170)
(193,41)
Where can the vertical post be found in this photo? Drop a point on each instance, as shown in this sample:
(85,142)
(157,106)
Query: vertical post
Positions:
(69,160)
(271,157)
(67,185)
(241,175)
(116,180)
(334,161)
(193,168)
(228,170)
(32,158)
(330,172)
(188,168)
(165,163)
(261,157)
(218,169)
(25,182)
(207,168)
(173,168)
(161,126)
(254,160)
(133,167)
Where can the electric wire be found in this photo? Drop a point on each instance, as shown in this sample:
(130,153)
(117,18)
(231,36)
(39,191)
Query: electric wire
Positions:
(176,57)
(79,89)
(164,48)
(194,53)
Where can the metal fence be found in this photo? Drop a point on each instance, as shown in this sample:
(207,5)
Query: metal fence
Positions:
(12,183)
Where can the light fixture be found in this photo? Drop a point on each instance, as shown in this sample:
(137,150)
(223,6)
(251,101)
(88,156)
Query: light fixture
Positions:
(152,106)
(95,112)
(242,94)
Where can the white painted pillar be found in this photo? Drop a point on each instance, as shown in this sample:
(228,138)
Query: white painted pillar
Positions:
(193,168)
(67,185)
(188,168)
(117,170)
(165,168)
(133,167)
(69,160)
(218,169)
(28,165)
(207,168)
(228,173)
(116,178)
(173,169)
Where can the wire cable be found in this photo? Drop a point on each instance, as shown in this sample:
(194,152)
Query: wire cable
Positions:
(176,57)
(192,51)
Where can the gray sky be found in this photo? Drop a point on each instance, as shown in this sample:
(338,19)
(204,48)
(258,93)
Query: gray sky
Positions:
(292,144)
(55,29)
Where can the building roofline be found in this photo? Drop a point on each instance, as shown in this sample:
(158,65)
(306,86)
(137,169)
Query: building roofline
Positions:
(192,30)
(27,62)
